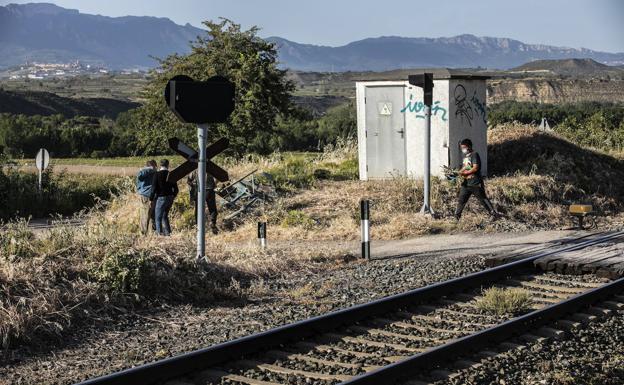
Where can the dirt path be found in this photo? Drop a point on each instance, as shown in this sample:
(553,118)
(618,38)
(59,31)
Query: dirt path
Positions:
(41,226)
(446,244)
(88,169)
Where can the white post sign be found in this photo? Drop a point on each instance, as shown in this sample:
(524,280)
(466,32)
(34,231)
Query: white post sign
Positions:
(42,161)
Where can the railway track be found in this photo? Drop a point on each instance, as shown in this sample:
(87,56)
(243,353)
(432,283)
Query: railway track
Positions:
(399,338)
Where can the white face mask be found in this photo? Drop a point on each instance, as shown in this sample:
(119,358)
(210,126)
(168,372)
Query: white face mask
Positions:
(464,151)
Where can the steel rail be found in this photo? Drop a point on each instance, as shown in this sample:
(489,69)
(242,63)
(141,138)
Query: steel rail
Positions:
(183,364)
(426,360)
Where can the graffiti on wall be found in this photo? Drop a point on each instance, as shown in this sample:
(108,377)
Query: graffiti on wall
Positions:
(479,107)
(418,107)
(468,108)
(463,109)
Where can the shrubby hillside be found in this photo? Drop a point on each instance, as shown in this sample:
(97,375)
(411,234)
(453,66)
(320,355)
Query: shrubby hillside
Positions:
(47,103)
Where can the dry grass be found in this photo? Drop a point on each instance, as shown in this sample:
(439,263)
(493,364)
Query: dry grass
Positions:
(502,301)
(531,191)
(48,283)
(88,170)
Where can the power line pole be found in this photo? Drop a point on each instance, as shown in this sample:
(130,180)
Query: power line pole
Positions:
(425,81)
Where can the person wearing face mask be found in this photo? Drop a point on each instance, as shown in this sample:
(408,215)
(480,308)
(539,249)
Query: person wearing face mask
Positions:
(473,181)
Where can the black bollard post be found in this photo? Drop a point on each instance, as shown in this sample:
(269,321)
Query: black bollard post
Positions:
(364,215)
(262,234)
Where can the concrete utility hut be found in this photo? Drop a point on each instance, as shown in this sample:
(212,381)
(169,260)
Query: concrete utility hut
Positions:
(390,117)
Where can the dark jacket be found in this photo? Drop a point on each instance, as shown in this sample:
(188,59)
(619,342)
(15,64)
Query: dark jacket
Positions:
(162,188)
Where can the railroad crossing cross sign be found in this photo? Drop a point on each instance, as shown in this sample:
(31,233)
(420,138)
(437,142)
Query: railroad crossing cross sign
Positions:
(192,158)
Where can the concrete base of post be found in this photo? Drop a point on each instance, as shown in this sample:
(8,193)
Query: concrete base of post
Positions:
(428,212)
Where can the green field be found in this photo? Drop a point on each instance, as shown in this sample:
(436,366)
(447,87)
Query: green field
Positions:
(139,161)
(131,161)
(121,87)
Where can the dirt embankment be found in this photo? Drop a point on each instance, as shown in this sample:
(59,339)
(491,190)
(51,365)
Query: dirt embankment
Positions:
(555,90)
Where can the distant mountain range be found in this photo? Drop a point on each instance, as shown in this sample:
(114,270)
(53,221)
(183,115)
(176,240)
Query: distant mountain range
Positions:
(48,33)
(464,51)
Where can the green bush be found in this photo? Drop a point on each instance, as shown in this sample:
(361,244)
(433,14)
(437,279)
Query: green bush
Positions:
(63,194)
(300,131)
(347,169)
(123,271)
(79,136)
(16,241)
(589,124)
(501,301)
(597,131)
(292,173)
(516,193)
(297,218)
(322,173)
(303,171)
(532,113)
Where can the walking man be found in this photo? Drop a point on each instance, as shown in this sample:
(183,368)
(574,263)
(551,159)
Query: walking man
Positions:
(144,181)
(473,181)
(163,193)
(211,198)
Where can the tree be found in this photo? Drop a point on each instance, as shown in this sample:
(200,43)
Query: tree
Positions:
(263,91)
(338,122)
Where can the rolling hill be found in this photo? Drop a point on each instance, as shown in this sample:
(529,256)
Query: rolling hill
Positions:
(46,103)
(572,67)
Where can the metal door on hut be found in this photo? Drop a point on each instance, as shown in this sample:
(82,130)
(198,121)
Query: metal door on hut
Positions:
(385,131)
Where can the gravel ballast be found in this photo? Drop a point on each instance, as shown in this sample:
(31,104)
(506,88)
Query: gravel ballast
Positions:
(590,355)
(134,338)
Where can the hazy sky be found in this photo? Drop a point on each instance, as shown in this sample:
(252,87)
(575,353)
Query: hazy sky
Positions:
(595,24)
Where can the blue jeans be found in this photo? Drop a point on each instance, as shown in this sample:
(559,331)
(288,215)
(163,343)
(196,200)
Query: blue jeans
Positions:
(163,205)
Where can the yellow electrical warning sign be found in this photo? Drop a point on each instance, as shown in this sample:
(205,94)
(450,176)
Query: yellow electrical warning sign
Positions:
(385,108)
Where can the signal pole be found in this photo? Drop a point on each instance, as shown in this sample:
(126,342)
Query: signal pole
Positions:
(426,208)
(425,81)
(188,99)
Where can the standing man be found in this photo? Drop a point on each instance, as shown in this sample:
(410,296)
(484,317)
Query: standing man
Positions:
(211,198)
(163,193)
(473,181)
(144,181)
